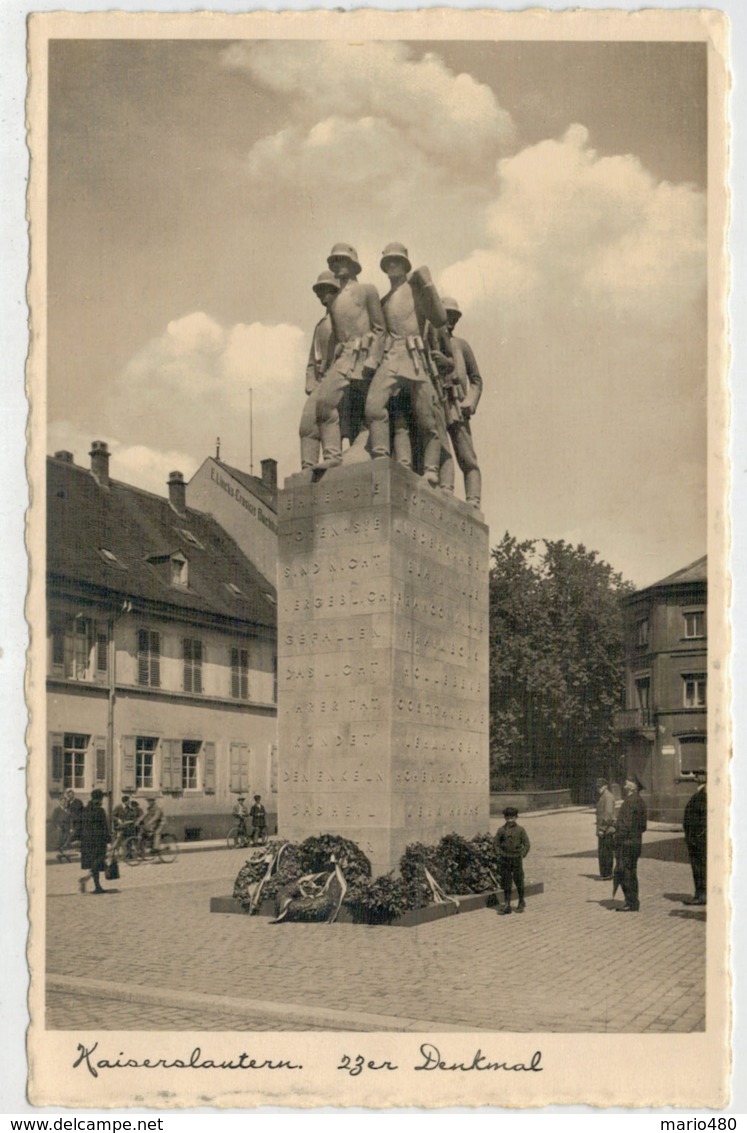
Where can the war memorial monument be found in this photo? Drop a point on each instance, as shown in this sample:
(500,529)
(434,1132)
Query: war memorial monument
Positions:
(383,585)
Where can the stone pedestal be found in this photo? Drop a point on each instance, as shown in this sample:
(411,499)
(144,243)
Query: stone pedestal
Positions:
(382,661)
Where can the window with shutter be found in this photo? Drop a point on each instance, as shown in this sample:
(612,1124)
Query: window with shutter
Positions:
(99,759)
(240,674)
(171,765)
(239,764)
(192,664)
(74,751)
(145,759)
(56,763)
(102,652)
(149,658)
(127,747)
(209,751)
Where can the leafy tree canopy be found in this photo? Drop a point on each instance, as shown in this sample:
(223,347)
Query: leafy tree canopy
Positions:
(556,647)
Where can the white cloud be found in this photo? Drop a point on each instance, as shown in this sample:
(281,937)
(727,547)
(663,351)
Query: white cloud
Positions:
(596,232)
(371,110)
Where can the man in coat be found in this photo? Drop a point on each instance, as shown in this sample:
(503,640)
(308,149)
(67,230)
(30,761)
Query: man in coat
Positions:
(631,824)
(358,325)
(321,355)
(605,829)
(696,837)
(94,839)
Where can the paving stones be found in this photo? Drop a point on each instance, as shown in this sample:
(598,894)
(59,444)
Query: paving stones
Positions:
(567,965)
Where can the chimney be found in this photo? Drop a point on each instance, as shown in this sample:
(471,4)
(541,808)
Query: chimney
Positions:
(270,474)
(64,455)
(100,463)
(177,492)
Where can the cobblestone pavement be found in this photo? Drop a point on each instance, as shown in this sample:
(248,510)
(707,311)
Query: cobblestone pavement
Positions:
(567,965)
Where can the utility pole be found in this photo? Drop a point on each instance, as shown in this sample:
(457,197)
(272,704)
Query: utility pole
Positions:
(251,432)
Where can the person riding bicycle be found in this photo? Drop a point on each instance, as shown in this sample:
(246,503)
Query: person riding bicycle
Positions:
(152,824)
(241,813)
(259,821)
(125,819)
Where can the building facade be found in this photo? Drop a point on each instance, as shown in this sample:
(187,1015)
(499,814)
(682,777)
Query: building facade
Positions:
(161,652)
(244,505)
(663,726)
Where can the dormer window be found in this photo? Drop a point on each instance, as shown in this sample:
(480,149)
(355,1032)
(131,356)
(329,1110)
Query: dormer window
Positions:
(179,568)
(233,589)
(190,538)
(110,558)
(175,563)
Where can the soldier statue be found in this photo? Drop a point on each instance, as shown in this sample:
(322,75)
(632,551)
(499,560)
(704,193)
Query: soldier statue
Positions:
(358,326)
(468,386)
(321,355)
(412,315)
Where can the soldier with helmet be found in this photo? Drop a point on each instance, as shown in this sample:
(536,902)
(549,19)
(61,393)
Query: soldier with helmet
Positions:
(468,381)
(412,314)
(358,325)
(321,355)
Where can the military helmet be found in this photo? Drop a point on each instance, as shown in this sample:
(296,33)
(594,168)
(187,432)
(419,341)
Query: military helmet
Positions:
(325,279)
(451,305)
(348,252)
(395,251)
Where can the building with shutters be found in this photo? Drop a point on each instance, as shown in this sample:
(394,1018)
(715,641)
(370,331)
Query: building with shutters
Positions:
(663,726)
(161,658)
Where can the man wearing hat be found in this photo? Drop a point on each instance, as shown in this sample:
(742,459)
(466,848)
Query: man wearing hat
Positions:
(412,314)
(694,822)
(241,813)
(605,829)
(321,355)
(631,825)
(512,844)
(468,381)
(125,818)
(358,325)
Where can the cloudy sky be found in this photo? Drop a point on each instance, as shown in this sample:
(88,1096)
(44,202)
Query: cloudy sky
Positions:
(557,189)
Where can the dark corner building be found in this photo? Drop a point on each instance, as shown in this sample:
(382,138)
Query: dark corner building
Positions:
(161,650)
(663,727)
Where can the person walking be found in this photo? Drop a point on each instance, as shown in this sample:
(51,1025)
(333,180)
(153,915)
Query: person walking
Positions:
(64,821)
(631,825)
(512,844)
(94,840)
(695,823)
(605,829)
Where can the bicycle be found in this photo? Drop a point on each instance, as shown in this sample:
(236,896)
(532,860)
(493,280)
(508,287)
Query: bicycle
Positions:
(238,837)
(139,848)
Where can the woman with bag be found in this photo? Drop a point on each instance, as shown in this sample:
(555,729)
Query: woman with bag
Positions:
(94,839)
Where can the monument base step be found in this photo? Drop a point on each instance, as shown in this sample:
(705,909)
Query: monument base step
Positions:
(467,904)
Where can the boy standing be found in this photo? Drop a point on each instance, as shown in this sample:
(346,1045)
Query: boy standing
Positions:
(512,845)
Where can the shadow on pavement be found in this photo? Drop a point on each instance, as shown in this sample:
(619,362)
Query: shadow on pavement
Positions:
(689,914)
(667,850)
(678,897)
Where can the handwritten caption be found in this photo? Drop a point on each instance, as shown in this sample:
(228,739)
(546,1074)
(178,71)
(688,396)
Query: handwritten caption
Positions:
(428,1058)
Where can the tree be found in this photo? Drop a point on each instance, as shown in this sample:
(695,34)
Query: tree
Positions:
(556,647)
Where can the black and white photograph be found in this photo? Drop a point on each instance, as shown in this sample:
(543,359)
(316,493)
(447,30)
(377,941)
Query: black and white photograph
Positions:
(379,710)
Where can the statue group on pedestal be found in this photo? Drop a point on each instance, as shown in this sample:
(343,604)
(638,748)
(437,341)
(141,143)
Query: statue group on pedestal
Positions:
(389,375)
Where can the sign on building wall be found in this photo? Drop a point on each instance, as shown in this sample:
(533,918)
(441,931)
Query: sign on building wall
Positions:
(240,512)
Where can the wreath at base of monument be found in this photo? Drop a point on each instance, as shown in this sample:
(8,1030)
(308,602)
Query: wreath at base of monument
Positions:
(314,879)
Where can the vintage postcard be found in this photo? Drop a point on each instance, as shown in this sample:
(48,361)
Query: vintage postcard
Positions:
(378,683)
